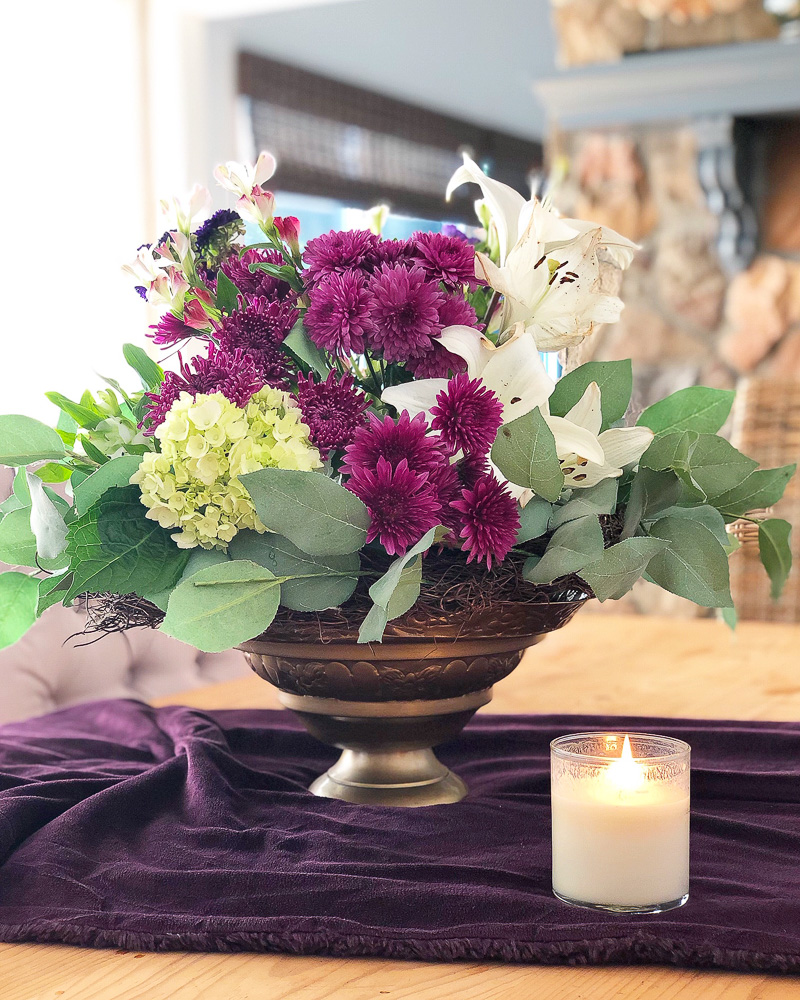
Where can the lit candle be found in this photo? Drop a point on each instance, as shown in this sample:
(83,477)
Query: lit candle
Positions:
(620,807)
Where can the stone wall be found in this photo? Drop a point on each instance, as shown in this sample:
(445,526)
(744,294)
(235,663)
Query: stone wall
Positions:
(685,321)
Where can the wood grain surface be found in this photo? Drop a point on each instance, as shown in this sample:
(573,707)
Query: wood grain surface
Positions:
(597,664)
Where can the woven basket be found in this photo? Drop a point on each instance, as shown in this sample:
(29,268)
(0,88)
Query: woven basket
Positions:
(767,427)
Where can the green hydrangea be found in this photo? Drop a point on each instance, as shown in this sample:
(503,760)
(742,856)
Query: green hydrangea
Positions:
(207,442)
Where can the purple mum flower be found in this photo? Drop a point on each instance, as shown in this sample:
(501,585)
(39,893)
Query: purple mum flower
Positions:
(439,362)
(333,410)
(394,252)
(467,415)
(393,441)
(234,374)
(339,317)
(258,325)
(248,282)
(489,521)
(405,312)
(335,253)
(401,504)
(446,259)
(170,330)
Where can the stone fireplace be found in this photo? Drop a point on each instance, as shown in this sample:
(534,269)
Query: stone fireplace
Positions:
(710,189)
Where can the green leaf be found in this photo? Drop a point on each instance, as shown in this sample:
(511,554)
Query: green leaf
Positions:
(525,453)
(17,541)
(651,493)
(47,524)
(574,545)
(717,467)
(283,272)
(52,591)
(300,343)
(18,596)
(730,617)
(775,552)
(315,513)
(599,499)
(620,566)
(670,451)
(761,489)
(706,515)
(534,519)
(81,414)
(396,591)
(198,559)
(328,585)
(114,547)
(615,380)
(52,472)
(227,293)
(151,374)
(20,494)
(24,440)
(66,428)
(223,605)
(694,565)
(697,408)
(116,472)
(92,451)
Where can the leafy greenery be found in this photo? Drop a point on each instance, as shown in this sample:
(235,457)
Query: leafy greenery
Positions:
(574,545)
(115,547)
(775,551)
(620,566)
(614,379)
(24,440)
(697,408)
(760,489)
(599,499)
(18,597)
(693,565)
(315,513)
(534,519)
(151,374)
(525,452)
(116,472)
(227,293)
(301,345)
(17,541)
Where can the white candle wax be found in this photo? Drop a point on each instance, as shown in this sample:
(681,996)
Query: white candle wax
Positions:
(620,836)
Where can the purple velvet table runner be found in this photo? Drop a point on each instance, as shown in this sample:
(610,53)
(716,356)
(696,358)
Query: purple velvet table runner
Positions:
(127,826)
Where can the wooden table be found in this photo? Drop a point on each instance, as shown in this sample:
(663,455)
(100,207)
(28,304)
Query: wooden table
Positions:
(598,664)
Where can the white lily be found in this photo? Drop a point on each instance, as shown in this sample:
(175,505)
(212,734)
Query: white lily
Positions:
(185,210)
(549,270)
(618,446)
(241,178)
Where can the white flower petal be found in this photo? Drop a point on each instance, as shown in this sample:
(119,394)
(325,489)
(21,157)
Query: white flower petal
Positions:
(517,376)
(620,248)
(469,344)
(590,475)
(623,445)
(587,412)
(504,202)
(264,168)
(574,440)
(415,397)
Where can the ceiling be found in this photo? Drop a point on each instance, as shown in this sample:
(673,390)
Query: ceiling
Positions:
(473,59)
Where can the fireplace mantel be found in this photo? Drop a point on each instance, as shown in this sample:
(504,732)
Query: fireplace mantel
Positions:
(750,78)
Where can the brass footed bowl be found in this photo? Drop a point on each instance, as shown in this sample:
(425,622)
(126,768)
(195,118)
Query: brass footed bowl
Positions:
(386,705)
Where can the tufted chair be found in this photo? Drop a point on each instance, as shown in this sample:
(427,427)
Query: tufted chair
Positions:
(51,667)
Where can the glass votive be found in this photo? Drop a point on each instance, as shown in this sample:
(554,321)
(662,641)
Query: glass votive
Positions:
(620,807)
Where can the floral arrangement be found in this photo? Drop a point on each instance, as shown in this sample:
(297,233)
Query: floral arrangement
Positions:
(344,417)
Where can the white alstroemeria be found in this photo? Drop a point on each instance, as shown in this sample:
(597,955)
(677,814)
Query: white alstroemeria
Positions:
(168,291)
(258,207)
(185,210)
(241,178)
(146,268)
(619,446)
(549,270)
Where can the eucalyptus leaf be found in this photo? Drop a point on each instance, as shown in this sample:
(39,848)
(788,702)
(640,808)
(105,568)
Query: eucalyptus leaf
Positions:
(534,519)
(222,605)
(115,547)
(315,513)
(761,489)
(697,408)
(717,467)
(47,522)
(694,565)
(18,597)
(599,499)
(704,514)
(52,472)
(198,559)
(670,451)
(775,552)
(614,379)
(52,590)
(151,373)
(116,472)
(651,493)
(17,541)
(525,452)
(620,566)
(24,441)
(730,617)
(324,581)
(574,545)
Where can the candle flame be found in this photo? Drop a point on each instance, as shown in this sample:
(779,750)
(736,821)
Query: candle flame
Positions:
(625,773)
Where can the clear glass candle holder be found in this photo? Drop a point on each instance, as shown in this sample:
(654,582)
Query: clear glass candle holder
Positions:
(620,807)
